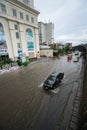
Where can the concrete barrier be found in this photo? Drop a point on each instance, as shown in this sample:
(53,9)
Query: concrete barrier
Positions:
(83,107)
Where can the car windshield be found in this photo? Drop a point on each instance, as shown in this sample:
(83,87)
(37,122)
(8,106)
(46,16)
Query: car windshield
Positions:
(51,78)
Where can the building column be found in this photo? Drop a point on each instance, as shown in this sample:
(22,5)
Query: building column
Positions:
(36,41)
(23,41)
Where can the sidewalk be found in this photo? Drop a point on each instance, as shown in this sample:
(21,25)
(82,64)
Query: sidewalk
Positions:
(8,68)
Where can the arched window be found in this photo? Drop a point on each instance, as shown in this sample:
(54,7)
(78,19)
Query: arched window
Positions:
(30,39)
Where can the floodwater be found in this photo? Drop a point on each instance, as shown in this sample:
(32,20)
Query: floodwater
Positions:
(25,105)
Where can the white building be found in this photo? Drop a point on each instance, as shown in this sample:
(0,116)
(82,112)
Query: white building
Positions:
(46,32)
(42,33)
(19,28)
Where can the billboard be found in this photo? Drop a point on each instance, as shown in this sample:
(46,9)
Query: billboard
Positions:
(3,45)
(30,40)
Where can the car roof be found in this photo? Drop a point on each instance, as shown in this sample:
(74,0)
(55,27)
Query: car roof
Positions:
(55,74)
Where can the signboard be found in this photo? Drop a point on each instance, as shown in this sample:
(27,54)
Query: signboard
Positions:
(20,56)
(3,52)
(20,53)
(23,59)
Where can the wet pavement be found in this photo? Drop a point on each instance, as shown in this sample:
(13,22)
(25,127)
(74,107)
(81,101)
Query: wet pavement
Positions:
(25,105)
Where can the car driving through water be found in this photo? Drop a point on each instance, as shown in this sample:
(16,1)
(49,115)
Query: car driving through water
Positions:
(53,80)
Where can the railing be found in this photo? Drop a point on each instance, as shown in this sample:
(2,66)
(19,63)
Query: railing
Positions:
(83,112)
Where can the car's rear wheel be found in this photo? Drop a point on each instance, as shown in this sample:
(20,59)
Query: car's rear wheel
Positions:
(45,87)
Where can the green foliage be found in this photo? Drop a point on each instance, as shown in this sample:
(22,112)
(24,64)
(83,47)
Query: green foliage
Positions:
(1,66)
(27,58)
(67,49)
(25,63)
(8,61)
(60,51)
(5,60)
(19,62)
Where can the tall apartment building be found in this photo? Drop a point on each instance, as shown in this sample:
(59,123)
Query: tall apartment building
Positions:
(19,28)
(46,32)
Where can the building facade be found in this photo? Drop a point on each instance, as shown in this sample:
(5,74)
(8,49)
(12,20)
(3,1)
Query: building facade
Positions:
(19,28)
(46,33)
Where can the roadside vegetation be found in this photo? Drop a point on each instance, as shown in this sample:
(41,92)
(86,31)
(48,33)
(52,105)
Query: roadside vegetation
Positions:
(6,62)
(23,61)
(63,51)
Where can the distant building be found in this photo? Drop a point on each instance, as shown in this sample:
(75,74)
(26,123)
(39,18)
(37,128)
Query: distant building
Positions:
(57,46)
(42,33)
(69,45)
(45,50)
(46,33)
(19,28)
(53,46)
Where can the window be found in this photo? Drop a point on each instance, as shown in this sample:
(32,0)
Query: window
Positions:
(14,12)
(27,17)
(26,1)
(21,15)
(17,35)
(18,45)
(32,19)
(3,8)
(16,26)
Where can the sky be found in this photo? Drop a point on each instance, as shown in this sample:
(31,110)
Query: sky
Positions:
(69,18)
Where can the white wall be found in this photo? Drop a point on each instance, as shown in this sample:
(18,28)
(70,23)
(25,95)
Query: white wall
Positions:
(48,53)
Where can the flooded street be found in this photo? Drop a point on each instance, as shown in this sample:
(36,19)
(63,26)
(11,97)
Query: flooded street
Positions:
(25,105)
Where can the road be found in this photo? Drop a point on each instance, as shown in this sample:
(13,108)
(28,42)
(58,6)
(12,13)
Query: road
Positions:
(25,105)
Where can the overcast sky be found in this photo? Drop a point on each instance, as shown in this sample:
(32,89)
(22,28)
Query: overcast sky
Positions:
(69,18)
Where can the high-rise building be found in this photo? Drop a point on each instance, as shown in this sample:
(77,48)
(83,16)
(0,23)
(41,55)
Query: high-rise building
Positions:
(18,28)
(46,32)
